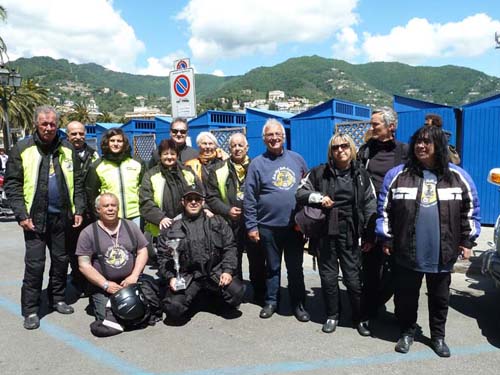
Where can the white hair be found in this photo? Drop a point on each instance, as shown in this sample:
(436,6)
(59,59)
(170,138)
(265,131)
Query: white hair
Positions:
(388,115)
(102,195)
(207,135)
(238,135)
(273,121)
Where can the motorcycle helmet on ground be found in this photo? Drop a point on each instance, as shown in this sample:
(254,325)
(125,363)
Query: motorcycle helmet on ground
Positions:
(129,305)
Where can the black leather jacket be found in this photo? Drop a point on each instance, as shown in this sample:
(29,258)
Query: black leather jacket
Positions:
(206,247)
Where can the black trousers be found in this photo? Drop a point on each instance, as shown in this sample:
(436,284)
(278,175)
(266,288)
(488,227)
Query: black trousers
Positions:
(407,291)
(34,261)
(335,250)
(256,260)
(176,304)
(72,234)
(371,275)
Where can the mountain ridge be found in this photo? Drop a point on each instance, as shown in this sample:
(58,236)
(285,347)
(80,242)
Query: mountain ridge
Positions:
(313,77)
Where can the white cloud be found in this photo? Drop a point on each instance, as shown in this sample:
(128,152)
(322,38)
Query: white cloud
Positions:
(233,28)
(80,31)
(419,40)
(161,66)
(346,46)
(218,73)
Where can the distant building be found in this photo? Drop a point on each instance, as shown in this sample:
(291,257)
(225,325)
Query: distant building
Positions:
(143,112)
(276,95)
(93,108)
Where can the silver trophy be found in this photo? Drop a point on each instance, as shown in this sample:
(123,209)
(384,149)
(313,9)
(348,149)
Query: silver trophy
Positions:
(180,282)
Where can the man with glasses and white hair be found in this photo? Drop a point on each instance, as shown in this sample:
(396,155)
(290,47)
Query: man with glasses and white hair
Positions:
(178,133)
(381,153)
(225,193)
(269,206)
(45,192)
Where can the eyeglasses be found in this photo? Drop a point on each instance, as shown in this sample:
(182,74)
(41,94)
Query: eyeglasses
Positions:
(175,131)
(191,198)
(343,146)
(271,135)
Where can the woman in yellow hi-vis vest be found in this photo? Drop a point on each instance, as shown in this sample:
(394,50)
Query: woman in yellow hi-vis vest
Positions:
(161,191)
(117,172)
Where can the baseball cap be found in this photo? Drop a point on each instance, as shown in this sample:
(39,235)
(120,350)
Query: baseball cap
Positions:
(194,189)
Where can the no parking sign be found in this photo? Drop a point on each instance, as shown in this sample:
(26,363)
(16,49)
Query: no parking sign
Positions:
(182,93)
(182,64)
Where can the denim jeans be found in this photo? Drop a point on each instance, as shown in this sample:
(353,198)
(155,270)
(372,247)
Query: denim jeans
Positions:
(277,241)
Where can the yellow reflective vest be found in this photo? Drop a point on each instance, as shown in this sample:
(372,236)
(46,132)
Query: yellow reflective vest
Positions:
(31,160)
(158,184)
(123,180)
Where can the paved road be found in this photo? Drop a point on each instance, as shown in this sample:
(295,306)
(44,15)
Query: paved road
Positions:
(211,344)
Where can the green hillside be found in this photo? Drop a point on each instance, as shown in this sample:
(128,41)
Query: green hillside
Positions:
(312,77)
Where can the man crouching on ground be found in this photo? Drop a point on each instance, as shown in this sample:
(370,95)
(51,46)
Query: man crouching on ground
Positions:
(204,259)
(111,253)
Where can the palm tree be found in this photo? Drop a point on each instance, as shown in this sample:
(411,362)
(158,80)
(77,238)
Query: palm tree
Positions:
(105,117)
(22,103)
(80,113)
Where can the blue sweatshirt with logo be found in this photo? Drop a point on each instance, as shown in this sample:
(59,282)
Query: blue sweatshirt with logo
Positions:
(270,188)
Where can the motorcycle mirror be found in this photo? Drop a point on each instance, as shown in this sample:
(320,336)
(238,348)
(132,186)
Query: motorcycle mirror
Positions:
(494,176)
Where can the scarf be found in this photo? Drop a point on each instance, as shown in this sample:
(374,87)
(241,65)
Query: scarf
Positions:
(206,159)
(241,169)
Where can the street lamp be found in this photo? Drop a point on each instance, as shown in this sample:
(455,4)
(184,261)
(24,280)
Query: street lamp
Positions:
(8,79)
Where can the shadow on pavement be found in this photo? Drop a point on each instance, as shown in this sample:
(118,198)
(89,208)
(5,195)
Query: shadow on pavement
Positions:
(484,308)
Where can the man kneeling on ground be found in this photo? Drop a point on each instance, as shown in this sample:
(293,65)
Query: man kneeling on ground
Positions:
(204,259)
(112,254)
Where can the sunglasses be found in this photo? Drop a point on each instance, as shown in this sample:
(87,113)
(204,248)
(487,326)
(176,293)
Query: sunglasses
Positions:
(343,146)
(191,198)
(175,131)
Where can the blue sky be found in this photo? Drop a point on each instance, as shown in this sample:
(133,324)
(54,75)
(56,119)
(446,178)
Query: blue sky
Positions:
(230,37)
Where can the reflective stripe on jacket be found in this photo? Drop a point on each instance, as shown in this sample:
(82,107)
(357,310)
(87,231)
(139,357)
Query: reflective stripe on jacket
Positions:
(158,185)
(123,180)
(31,160)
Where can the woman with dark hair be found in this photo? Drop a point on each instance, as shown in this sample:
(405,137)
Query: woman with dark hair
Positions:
(118,173)
(162,189)
(342,188)
(428,215)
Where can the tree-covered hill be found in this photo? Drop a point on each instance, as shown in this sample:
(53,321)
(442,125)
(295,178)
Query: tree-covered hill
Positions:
(312,77)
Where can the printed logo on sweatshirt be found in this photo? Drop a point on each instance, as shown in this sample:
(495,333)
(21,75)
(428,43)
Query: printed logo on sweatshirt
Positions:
(116,256)
(284,178)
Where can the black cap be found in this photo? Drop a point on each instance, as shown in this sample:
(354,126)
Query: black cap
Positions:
(194,189)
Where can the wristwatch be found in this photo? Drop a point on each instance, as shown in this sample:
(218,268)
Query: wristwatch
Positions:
(105,286)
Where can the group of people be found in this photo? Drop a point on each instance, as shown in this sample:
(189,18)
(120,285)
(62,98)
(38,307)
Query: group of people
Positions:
(200,211)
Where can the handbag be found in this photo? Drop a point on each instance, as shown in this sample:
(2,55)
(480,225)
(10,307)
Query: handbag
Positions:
(311,221)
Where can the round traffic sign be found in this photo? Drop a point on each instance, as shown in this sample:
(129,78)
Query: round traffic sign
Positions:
(182,85)
(182,64)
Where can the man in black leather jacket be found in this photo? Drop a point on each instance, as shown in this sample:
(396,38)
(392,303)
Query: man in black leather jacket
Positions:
(44,189)
(205,258)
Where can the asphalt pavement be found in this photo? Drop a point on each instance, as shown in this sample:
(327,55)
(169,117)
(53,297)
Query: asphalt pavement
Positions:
(216,344)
